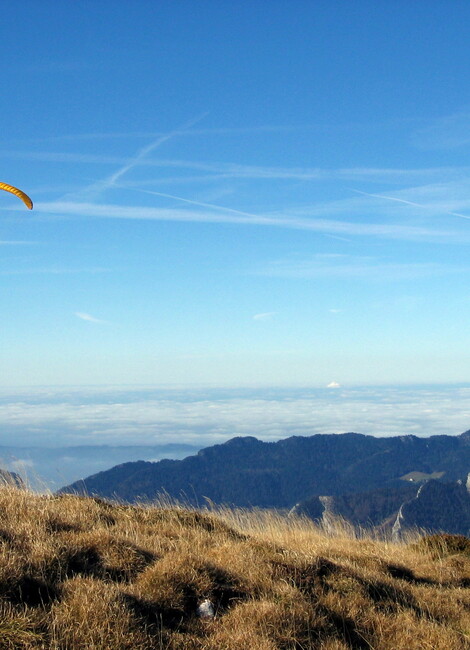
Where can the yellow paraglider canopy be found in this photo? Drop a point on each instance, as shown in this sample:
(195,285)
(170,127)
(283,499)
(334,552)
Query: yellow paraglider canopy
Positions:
(21,195)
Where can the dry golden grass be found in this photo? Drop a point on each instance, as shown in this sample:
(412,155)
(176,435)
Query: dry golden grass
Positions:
(80,573)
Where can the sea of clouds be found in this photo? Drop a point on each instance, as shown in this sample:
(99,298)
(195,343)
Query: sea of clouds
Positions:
(136,416)
(189,419)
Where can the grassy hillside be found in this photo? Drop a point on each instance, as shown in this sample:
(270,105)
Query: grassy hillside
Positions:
(80,573)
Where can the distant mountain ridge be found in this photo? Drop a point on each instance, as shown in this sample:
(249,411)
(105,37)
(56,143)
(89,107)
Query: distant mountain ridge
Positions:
(248,472)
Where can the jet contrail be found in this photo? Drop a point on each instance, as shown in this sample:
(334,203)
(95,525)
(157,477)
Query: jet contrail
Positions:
(212,206)
(150,147)
(417,205)
(108,182)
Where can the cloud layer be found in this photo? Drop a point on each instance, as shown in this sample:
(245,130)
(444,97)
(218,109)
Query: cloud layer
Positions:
(205,417)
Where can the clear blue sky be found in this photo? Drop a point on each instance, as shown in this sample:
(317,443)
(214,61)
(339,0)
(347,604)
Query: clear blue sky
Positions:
(229,193)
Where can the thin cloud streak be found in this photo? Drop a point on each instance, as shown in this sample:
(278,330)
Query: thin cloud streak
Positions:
(200,204)
(389,198)
(89,318)
(110,211)
(413,203)
(265,316)
(273,128)
(6,242)
(233,170)
(64,157)
(447,132)
(110,181)
(52,271)
(178,180)
(369,269)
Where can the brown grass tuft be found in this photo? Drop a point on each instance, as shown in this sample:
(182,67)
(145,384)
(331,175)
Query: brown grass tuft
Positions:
(443,544)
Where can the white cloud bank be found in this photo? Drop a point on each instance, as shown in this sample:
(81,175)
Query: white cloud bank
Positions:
(206,417)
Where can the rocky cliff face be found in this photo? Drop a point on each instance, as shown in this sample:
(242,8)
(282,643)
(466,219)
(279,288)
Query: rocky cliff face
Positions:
(10,478)
(436,507)
(365,509)
(432,506)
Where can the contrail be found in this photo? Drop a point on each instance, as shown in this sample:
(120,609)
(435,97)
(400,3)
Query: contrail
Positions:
(389,198)
(417,205)
(140,155)
(457,214)
(212,206)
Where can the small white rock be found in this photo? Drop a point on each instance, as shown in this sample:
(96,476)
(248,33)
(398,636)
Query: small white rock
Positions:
(206,609)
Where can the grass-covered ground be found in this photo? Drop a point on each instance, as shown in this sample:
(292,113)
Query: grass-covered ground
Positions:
(81,573)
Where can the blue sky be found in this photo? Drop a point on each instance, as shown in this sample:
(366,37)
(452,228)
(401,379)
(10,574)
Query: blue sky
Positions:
(235,194)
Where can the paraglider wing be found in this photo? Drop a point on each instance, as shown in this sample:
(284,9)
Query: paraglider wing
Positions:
(21,195)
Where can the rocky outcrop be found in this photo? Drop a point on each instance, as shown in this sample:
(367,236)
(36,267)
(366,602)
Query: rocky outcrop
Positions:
(437,507)
(10,478)
(367,509)
(431,506)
